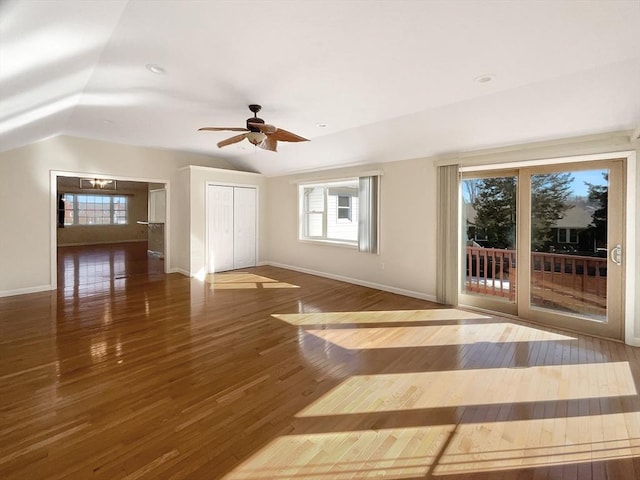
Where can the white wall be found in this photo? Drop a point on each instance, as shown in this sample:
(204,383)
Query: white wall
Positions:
(199,177)
(25,198)
(180,221)
(635,335)
(407,258)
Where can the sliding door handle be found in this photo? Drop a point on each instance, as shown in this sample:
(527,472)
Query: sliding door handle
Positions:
(616,254)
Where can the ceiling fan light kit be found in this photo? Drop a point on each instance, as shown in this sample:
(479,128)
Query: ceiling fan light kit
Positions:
(257,132)
(255,137)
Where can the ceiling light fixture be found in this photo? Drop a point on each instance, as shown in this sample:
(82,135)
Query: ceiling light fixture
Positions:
(322,125)
(486,78)
(255,137)
(98,183)
(155,68)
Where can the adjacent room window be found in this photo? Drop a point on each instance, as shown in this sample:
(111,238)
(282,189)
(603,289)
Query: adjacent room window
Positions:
(341,211)
(89,209)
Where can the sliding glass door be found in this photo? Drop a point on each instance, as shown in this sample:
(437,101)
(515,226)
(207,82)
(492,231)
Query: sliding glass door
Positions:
(573,276)
(546,244)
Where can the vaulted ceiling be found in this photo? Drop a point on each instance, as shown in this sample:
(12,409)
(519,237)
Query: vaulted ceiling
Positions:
(389,79)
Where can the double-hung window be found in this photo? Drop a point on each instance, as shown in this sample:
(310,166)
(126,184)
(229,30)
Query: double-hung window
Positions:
(567,235)
(341,211)
(90,209)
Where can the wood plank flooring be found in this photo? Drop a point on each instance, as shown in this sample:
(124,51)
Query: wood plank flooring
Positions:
(127,373)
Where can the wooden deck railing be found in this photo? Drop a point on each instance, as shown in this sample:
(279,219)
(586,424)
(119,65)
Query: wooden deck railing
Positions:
(571,282)
(491,271)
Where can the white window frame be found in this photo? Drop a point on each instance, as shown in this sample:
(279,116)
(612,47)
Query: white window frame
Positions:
(562,235)
(304,213)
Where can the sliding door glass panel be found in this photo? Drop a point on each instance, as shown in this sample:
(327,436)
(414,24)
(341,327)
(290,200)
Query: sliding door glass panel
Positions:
(569,223)
(489,237)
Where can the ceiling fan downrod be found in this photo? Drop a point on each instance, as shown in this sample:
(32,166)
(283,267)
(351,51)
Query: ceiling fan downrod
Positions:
(255,109)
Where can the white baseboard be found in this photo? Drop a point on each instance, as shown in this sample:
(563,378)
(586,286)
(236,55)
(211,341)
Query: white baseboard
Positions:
(179,270)
(633,341)
(24,291)
(355,281)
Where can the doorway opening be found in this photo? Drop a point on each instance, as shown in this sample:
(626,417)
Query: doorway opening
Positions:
(107,232)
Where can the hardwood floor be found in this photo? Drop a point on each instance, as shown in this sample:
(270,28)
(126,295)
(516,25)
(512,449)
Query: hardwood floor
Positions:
(127,373)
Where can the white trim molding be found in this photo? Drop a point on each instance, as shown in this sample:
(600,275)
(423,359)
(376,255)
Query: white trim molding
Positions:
(611,142)
(355,281)
(23,291)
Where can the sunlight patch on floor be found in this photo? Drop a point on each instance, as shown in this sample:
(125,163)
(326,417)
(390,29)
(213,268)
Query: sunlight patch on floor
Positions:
(489,386)
(241,280)
(437,335)
(492,446)
(394,453)
(390,316)
(444,449)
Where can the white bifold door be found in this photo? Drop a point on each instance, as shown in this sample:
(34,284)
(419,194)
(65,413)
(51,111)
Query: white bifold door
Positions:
(231,228)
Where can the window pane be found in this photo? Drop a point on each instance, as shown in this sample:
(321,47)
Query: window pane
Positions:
(314,224)
(569,276)
(68,208)
(573,236)
(489,227)
(562,235)
(314,199)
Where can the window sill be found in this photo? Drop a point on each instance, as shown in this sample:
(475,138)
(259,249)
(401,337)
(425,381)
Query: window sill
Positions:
(334,243)
(91,225)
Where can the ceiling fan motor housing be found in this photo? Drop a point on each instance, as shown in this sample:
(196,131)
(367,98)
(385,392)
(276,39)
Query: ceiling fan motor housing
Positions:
(254,120)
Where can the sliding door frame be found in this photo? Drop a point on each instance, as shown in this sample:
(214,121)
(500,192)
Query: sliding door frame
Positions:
(613,327)
(630,195)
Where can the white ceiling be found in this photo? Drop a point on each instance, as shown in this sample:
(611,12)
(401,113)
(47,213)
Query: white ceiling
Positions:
(392,79)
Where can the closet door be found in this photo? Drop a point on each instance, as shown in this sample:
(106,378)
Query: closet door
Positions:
(244,227)
(220,250)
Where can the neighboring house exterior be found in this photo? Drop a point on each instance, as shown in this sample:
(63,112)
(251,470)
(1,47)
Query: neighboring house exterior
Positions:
(572,233)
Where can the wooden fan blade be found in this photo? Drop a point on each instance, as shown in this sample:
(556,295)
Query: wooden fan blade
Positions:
(231,140)
(269,143)
(220,129)
(284,136)
(264,127)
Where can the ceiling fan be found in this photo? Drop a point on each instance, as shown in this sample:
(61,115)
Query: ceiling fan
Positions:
(257,132)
